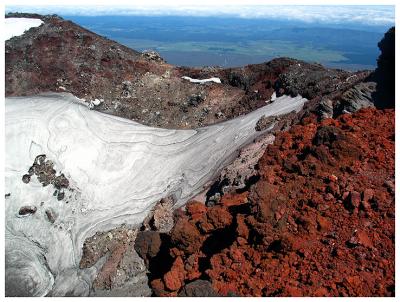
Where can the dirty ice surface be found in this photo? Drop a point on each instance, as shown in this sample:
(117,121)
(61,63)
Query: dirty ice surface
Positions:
(117,170)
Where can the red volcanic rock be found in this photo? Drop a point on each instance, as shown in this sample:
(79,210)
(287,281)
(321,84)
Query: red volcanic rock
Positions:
(174,278)
(186,236)
(192,267)
(229,200)
(196,209)
(368,194)
(364,239)
(319,222)
(158,288)
(355,199)
(219,217)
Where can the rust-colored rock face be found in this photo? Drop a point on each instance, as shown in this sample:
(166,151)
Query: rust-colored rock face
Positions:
(319,222)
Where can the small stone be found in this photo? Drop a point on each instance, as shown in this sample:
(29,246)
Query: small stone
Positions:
(60,195)
(195,99)
(364,239)
(27,210)
(264,122)
(368,194)
(241,241)
(323,223)
(219,114)
(51,216)
(352,242)
(329,197)
(26,178)
(294,291)
(360,238)
(390,185)
(323,207)
(365,206)
(215,198)
(321,292)
(355,199)
(333,178)
(352,201)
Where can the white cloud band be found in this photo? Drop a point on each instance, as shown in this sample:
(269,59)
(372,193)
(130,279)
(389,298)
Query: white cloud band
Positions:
(373,15)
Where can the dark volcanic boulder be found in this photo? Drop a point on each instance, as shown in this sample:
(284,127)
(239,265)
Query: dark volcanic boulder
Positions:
(198,288)
(148,244)
(385,73)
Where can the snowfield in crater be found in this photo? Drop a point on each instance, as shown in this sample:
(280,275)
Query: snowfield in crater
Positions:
(117,169)
(17,26)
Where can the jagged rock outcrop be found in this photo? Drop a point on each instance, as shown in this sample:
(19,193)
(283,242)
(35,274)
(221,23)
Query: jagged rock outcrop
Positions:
(152,56)
(385,72)
(357,97)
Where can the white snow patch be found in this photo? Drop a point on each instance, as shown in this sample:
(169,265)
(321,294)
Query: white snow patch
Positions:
(17,26)
(215,80)
(118,170)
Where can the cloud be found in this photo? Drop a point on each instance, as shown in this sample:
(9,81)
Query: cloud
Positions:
(369,15)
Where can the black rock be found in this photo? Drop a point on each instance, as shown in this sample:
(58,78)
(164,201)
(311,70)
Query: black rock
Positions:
(148,244)
(26,178)
(60,195)
(51,216)
(198,288)
(27,210)
(384,97)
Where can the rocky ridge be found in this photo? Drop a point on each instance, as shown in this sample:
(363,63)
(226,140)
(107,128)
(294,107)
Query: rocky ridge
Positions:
(62,56)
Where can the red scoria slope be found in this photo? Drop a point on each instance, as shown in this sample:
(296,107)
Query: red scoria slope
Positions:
(319,222)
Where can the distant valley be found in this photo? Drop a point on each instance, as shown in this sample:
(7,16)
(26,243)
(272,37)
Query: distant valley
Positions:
(232,42)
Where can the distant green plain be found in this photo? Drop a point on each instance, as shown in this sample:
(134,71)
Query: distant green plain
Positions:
(271,48)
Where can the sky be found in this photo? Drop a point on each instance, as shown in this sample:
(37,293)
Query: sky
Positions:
(365,14)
